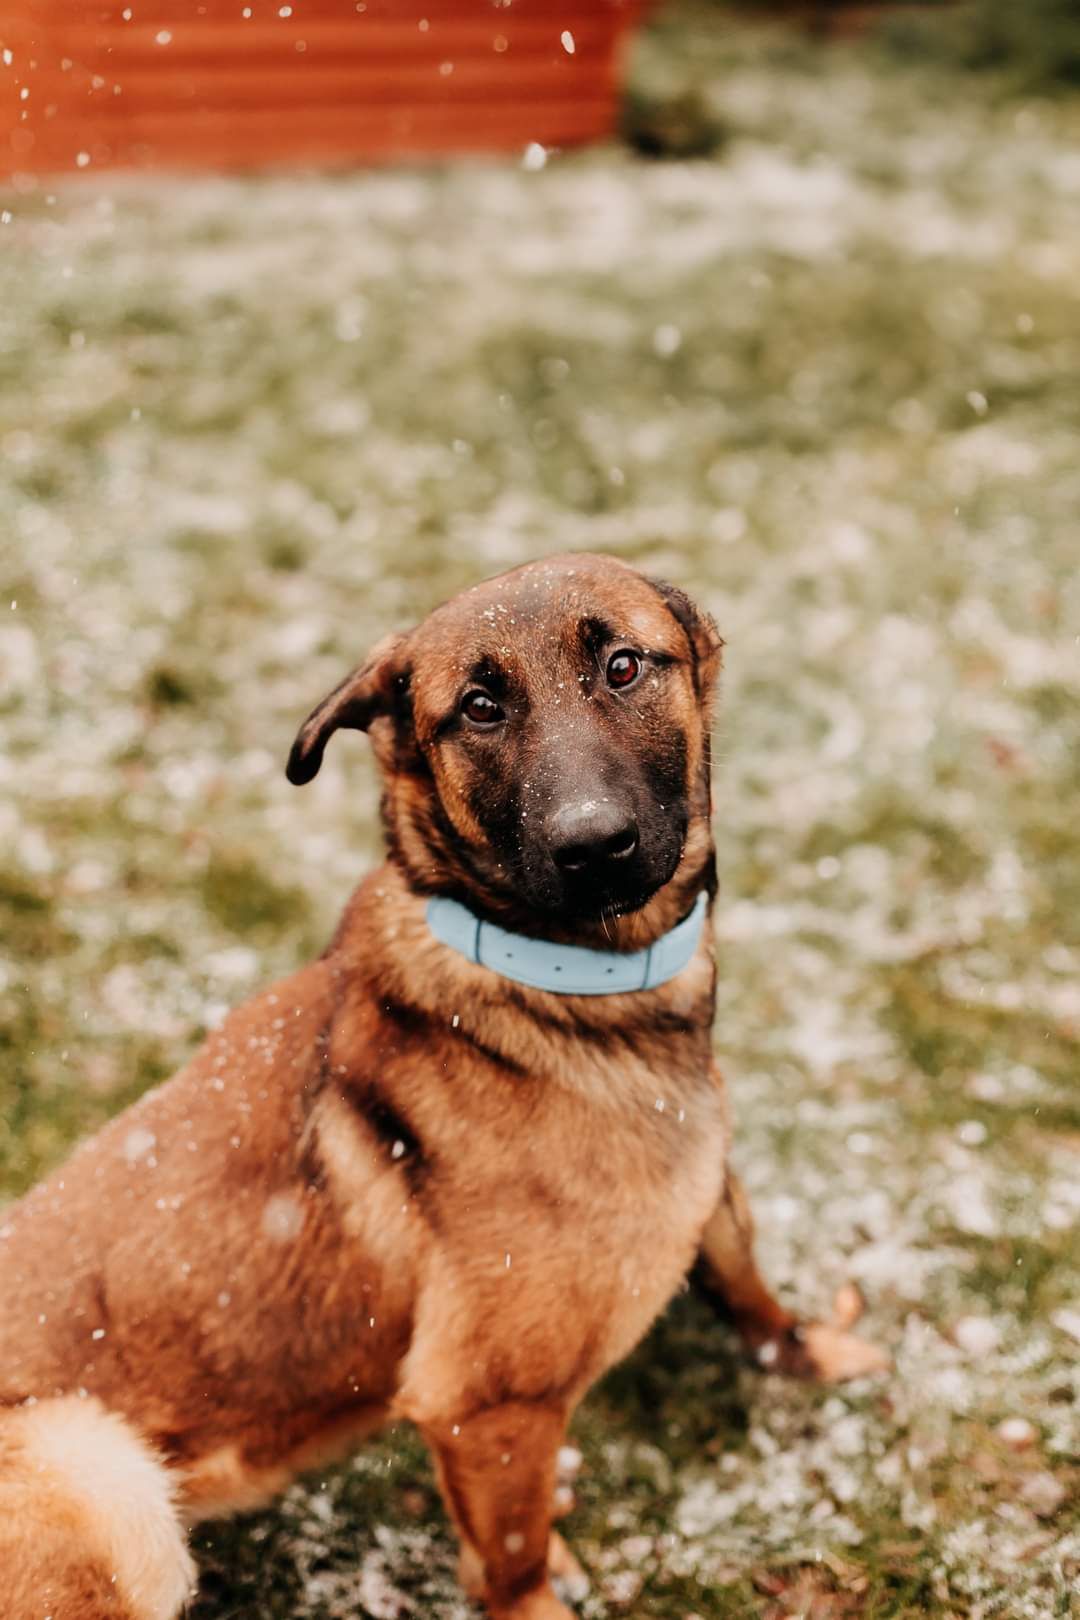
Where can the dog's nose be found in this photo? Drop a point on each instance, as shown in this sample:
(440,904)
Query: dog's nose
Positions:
(586,835)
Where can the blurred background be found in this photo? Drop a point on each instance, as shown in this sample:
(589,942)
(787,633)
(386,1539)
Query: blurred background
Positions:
(311,315)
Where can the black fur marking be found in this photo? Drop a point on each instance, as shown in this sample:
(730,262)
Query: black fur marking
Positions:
(495,801)
(310,1165)
(501,1059)
(571,1026)
(407,1018)
(666,773)
(687,616)
(408,760)
(309,1160)
(389,1125)
(527,1580)
(415,1023)
(488,674)
(709,880)
(568,1023)
(596,634)
(401,694)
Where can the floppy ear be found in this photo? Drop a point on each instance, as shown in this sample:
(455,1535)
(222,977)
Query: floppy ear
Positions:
(705,640)
(361,698)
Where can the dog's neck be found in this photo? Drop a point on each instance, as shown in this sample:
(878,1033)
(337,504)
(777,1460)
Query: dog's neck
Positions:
(567,970)
(410,855)
(385,948)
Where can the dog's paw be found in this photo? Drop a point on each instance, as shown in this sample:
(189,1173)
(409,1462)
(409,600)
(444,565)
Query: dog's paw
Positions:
(539,1604)
(827,1351)
(563,1568)
(834,1356)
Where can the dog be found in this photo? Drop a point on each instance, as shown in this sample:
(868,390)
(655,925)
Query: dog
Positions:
(451,1171)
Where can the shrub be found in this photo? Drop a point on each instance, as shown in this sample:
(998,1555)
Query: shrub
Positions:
(1036,44)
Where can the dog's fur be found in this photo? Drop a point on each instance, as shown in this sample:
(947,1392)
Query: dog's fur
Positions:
(396,1185)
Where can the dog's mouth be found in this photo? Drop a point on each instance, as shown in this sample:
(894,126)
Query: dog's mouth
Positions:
(622,887)
(593,903)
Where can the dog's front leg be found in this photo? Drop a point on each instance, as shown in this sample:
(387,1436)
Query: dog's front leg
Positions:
(497,1472)
(729,1273)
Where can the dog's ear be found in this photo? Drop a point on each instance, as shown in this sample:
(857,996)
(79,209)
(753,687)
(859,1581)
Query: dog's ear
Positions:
(706,642)
(361,698)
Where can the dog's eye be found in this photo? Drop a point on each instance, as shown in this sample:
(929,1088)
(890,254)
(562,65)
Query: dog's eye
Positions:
(481,710)
(623,668)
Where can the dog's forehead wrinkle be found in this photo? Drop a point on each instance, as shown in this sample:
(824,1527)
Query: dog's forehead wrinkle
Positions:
(557,610)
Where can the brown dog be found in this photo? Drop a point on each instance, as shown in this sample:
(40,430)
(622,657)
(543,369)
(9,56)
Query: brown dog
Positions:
(402,1183)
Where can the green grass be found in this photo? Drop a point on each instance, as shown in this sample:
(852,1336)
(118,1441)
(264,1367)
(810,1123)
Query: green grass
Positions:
(1030,47)
(825,377)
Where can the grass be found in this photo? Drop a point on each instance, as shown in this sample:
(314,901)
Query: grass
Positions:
(825,378)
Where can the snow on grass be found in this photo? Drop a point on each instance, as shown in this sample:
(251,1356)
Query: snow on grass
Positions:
(828,383)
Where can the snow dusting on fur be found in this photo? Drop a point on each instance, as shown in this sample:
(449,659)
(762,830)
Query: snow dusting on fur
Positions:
(827,383)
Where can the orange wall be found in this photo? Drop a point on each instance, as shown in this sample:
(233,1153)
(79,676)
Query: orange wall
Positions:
(229,84)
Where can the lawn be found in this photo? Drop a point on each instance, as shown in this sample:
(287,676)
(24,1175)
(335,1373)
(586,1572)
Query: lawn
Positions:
(827,379)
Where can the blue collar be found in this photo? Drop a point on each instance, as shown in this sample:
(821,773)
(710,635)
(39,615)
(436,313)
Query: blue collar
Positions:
(568,970)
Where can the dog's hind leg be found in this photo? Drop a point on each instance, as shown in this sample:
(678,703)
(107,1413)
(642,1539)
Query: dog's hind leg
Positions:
(88,1528)
(728,1272)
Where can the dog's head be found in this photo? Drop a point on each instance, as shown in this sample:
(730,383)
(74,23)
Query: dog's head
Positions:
(544,742)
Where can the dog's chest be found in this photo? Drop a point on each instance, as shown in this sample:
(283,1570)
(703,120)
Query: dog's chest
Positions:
(560,1227)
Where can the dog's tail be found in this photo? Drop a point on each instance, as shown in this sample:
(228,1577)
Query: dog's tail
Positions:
(88,1526)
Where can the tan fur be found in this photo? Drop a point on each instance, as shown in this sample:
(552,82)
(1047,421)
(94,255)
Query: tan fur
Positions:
(393,1185)
(77,1485)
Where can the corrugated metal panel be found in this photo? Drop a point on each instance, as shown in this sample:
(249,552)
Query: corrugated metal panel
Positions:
(247,83)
